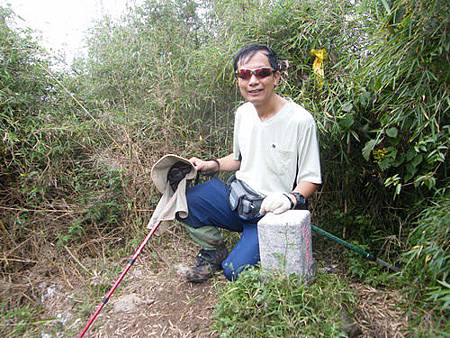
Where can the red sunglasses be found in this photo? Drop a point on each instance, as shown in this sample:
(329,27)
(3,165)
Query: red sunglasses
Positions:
(260,73)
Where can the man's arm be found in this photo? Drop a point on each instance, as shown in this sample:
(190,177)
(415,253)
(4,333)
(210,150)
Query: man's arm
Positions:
(227,163)
(306,189)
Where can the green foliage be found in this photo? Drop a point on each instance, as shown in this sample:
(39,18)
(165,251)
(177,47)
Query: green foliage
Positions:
(150,59)
(20,321)
(104,207)
(75,231)
(24,88)
(277,306)
(420,324)
(49,166)
(428,257)
(367,271)
(408,76)
(150,73)
(41,132)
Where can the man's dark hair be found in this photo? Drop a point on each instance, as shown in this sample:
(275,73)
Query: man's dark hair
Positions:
(248,51)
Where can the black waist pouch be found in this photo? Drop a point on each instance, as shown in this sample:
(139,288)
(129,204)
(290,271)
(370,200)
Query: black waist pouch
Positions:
(244,199)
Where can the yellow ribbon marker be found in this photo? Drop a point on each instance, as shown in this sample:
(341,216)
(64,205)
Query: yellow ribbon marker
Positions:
(317,66)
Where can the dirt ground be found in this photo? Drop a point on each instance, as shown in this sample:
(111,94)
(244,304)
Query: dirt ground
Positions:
(154,300)
(162,305)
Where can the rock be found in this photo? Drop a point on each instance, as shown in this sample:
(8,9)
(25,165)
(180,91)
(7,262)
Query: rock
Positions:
(333,268)
(64,317)
(49,293)
(128,303)
(181,269)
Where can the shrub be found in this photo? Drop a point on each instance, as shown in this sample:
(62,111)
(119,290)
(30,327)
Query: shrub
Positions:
(407,74)
(428,257)
(24,94)
(47,155)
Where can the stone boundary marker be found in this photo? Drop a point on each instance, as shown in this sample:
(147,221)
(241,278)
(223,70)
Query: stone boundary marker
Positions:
(285,243)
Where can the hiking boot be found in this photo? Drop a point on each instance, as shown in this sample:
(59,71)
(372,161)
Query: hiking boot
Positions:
(206,264)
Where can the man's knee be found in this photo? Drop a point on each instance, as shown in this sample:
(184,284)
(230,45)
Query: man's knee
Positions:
(194,197)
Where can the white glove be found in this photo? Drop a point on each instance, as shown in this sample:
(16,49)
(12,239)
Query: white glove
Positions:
(276,203)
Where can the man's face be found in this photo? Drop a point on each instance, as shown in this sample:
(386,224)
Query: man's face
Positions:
(257,90)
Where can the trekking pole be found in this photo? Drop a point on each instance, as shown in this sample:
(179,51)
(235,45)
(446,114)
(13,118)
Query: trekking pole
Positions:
(117,282)
(355,248)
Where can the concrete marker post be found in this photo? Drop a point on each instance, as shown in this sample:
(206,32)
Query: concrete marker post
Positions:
(285,243)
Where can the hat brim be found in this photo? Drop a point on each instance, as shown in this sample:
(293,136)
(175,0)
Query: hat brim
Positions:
(161,168)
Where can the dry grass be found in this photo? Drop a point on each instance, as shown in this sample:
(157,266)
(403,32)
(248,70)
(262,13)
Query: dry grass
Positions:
(379,314)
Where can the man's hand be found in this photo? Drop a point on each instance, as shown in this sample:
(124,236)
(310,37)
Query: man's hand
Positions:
(276,203)
(202,166)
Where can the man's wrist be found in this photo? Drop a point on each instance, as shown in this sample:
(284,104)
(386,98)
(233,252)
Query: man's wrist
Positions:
(300,200)
(216,164)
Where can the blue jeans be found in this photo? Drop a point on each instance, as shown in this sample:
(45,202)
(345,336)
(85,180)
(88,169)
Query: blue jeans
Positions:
(208,206)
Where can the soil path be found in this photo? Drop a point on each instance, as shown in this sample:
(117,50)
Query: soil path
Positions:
(153,300)
(159,305)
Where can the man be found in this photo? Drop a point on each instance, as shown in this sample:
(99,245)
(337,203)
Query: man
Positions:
(275,152)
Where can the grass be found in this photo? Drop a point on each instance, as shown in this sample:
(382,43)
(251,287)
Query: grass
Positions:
(257,306)
(426,324)
(23,321)
(369,272)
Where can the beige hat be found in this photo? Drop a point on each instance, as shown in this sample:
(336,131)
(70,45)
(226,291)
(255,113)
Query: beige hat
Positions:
(172,203)
(161,168)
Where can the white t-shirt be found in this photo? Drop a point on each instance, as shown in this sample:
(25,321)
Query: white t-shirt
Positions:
(271,150)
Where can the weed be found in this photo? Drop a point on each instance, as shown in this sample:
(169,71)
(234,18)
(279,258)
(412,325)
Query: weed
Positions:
(369,272)
(424,323)
(428,257)
(279,306)
(21,321)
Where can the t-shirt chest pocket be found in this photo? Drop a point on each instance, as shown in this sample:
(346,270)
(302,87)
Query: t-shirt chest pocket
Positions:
(282,158)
